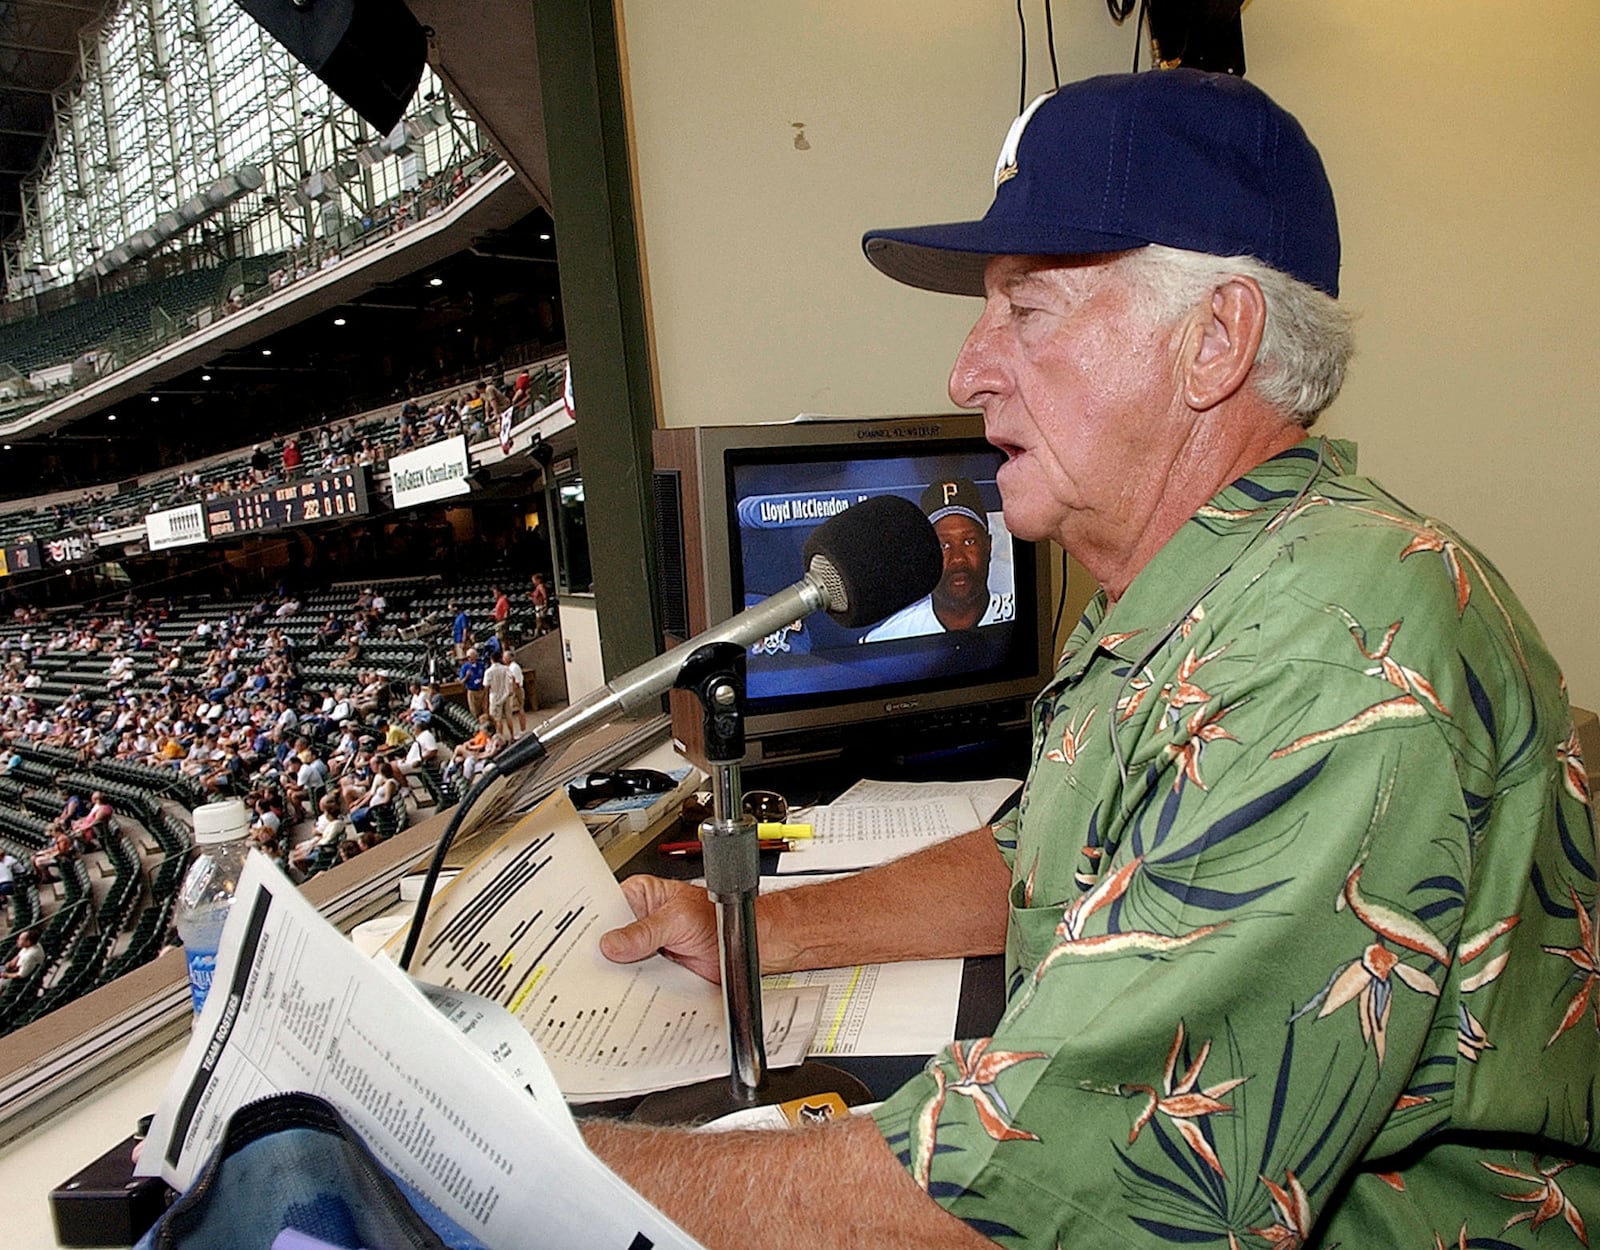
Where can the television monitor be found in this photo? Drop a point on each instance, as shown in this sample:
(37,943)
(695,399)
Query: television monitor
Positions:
(735,505)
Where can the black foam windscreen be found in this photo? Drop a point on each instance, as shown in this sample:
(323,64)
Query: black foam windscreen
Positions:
(878,556)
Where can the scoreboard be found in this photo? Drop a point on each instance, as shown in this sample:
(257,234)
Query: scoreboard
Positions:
(19,558)
(325,497)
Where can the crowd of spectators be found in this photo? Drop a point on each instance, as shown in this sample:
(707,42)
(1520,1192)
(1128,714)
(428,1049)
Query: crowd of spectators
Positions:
(337,444)
(237,699)
(86,510)
(231,715)
(475,413)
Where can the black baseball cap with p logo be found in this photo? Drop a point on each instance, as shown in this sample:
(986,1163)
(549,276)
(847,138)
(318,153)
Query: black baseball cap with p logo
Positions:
(956,496)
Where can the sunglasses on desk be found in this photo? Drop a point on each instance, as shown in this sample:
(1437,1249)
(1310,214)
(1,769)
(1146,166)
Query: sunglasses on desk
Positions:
(762,806)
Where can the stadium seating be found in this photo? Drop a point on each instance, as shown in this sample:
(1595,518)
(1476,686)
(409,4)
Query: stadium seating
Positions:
(117,322)
(125,505)
(112,909)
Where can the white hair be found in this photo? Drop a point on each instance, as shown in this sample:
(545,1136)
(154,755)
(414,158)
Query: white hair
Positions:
(1306,343)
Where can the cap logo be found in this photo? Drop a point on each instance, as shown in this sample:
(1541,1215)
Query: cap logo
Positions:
(1005,167)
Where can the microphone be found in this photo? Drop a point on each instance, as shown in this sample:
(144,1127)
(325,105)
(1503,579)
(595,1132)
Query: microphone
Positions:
(873,559)
(863,564)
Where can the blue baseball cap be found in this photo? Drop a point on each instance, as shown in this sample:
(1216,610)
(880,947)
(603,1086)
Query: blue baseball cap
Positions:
(1197,161)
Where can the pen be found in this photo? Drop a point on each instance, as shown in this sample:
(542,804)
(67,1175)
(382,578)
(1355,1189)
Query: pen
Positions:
(696,848)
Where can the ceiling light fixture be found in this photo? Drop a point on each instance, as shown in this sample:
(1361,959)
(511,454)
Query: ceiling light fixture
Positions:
(435,281)
(266,351)
(338,321)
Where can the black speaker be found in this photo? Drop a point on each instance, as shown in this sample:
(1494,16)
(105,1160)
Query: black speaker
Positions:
(369,52)
(671,574)
(1198,34)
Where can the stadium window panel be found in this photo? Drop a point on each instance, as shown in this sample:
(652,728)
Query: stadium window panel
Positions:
(176,93)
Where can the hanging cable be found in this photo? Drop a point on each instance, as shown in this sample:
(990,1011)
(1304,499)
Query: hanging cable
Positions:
(1138,29)
(1061,600)
(1022,84)
(1119,10)
(1050,38)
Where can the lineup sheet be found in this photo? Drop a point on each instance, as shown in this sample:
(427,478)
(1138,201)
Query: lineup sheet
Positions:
(521,925)
(904,1008)
(295,1007)
(862,835)
(987,797)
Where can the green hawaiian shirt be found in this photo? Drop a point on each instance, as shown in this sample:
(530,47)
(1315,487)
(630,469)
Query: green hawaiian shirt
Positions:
(1301,946)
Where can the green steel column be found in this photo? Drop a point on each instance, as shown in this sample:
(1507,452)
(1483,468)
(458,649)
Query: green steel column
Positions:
(602,295)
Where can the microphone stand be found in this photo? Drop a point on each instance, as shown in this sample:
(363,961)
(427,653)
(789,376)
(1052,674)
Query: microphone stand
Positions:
(715,676)
(634,689)
(836,571)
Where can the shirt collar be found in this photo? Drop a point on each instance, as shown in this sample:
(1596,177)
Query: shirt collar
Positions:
(1209,542)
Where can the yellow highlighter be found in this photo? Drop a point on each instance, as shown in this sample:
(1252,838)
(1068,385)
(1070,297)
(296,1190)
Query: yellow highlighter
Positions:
(772,829)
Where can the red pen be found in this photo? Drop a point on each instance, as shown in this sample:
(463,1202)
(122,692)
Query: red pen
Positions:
(696,848)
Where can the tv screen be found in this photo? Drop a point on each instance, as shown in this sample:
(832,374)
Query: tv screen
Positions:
(736,505)
(967,626)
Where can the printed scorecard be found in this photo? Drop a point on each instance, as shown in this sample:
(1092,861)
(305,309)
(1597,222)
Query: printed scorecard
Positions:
(326,497)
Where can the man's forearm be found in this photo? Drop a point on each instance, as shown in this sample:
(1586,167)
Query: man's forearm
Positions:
(796,1189)
(944,902)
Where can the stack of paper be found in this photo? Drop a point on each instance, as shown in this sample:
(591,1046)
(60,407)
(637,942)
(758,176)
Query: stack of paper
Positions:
(845,838)
(881,1009)
(489,1140)
(521,925)
(986,797)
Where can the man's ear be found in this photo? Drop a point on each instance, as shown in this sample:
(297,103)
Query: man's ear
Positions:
(1221,349)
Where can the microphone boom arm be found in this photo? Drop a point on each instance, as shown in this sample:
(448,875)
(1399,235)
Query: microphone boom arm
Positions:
(627,693)
(845,573)
(654,678)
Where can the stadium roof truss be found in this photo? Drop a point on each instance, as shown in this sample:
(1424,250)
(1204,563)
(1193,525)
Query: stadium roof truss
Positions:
(166,97)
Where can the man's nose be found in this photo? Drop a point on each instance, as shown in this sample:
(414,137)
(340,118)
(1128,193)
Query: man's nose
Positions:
(974,377)
(959,556)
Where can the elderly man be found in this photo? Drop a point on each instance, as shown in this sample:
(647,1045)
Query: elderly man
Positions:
(1298,903)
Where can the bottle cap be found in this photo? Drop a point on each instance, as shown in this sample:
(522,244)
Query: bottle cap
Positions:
(221,822)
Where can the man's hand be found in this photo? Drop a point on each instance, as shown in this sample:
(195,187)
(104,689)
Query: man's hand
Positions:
(675,918)
(901,910)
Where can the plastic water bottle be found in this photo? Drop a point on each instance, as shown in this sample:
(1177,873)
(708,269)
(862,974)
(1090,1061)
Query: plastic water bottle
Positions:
(220,831)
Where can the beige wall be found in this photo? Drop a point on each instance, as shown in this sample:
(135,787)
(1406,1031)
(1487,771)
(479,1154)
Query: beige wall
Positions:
(1466,163)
